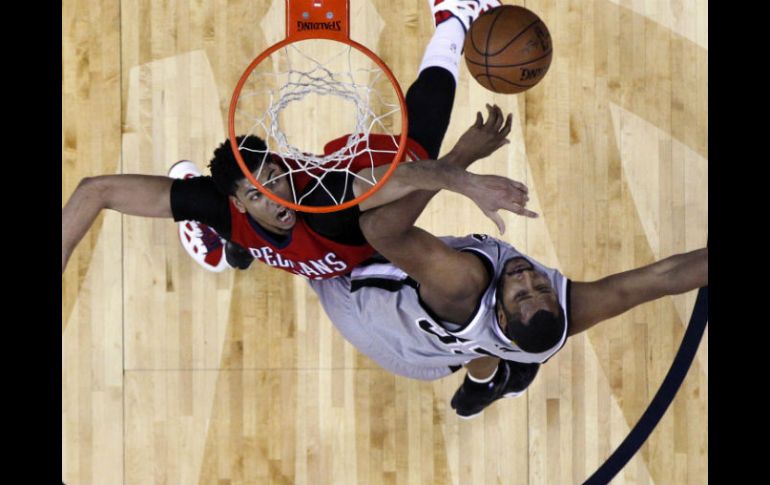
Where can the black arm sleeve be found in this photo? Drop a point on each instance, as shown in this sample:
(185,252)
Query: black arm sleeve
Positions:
(198,199)
(340,226)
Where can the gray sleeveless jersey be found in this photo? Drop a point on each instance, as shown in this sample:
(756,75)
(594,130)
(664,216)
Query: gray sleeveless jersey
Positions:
(377,309)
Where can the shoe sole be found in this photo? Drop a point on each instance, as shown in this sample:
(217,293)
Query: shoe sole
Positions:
(173,168)
(178,171)
(221,266)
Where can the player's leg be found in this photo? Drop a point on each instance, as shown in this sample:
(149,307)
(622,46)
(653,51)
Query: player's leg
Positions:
(489,379)
(430,98)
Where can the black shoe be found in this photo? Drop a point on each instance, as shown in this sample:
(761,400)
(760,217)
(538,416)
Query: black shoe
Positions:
(511,380)
(521,377)
(237,256)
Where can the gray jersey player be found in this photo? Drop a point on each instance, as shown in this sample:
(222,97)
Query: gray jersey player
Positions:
(378,309)
(477,301)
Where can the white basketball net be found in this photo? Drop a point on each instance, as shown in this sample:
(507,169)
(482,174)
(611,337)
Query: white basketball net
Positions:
(348,79)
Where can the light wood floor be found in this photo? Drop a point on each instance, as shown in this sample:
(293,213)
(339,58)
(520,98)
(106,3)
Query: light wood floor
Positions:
(173,375)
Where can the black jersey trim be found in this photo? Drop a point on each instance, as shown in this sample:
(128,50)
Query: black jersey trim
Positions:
(567,317)
(376,258)
(568,310)
(386,284)
(486,260)
(431,313)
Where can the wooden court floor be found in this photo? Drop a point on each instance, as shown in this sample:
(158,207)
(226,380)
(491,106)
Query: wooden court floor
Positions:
(172,375)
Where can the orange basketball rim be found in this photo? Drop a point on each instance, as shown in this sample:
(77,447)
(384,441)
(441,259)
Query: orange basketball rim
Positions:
(317,19)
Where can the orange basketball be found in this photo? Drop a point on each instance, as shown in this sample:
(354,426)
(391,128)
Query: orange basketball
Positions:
(508,49)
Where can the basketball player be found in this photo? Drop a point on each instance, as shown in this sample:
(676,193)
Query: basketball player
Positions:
(440,303)
(226,222)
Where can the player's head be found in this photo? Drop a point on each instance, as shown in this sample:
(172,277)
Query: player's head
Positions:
(528,309)
(231,181)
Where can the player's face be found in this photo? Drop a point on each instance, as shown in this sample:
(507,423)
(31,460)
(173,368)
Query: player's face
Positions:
(268,214)
(525,290)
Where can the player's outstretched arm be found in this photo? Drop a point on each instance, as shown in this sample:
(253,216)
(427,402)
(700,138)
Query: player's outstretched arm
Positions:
(139,195)
(593,302)
(489,192)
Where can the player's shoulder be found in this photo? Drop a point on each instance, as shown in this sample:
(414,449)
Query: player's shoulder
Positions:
(482,254)
(489,245)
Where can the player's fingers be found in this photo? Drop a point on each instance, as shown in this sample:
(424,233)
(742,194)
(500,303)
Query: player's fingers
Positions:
(490,112)
(497,220)
(520,193)
(493,123)
(490,116)
(516,198)
(479,120)
(508,124)
(526,212)
(499,118)
(518,208)
(519,186)
(513,200)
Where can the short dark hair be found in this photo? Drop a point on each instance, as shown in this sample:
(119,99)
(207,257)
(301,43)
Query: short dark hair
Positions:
(543,331)
(224,167)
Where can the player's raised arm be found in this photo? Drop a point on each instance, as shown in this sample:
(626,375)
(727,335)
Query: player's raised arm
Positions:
(479,141)
(139,195)
(450,281)
(489,192)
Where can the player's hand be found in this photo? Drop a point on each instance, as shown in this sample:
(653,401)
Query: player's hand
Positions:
(484,138)
(493,192)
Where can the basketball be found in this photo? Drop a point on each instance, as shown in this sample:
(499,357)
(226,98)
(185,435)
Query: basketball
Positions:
(508,49)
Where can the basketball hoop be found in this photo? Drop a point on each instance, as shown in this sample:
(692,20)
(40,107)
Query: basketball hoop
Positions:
(348,74)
